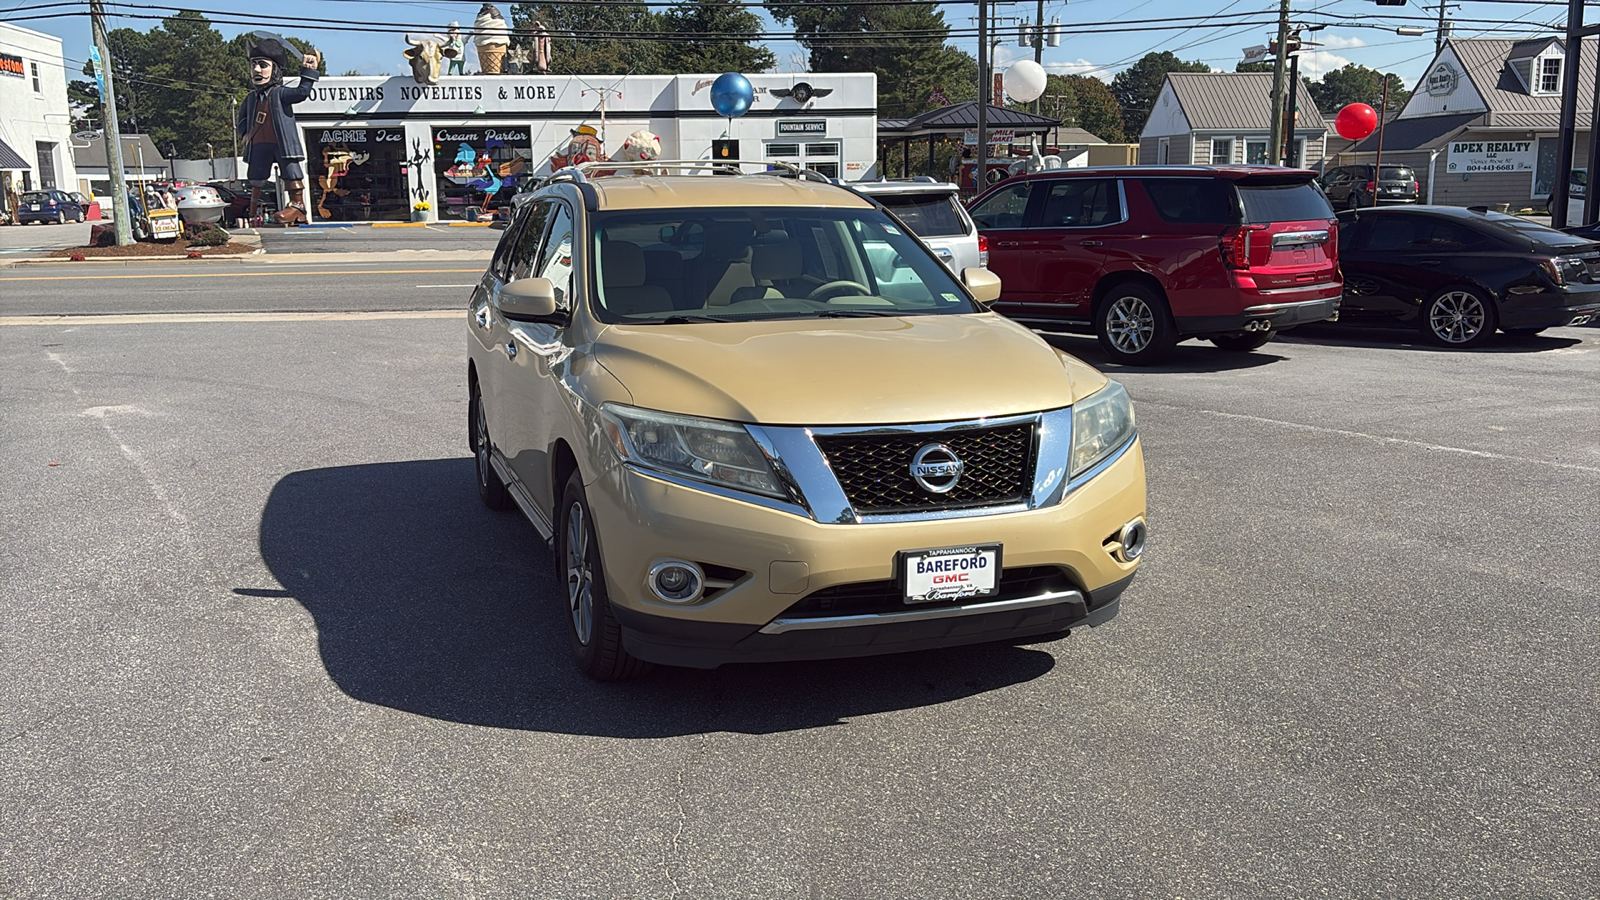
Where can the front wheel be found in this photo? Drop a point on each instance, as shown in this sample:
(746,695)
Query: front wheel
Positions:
(1460,317)
(592,629)
(1133,325)
(61,218)
(1241,343)
(491,490)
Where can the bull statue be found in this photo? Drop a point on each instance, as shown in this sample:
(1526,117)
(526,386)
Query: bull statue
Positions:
(425,54)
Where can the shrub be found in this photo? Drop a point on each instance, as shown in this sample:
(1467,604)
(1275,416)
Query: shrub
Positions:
(207,236)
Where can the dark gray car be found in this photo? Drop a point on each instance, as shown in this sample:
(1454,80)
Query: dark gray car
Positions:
(1353,187)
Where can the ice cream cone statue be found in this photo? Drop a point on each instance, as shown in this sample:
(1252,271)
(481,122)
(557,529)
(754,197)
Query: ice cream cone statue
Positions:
(493,36)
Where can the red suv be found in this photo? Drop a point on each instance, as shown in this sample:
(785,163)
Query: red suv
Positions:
(1145,256)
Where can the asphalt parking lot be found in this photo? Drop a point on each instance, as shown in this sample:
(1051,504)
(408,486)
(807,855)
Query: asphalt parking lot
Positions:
(261,640)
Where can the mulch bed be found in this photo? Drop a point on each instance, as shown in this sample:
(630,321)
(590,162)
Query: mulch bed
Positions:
(179,247)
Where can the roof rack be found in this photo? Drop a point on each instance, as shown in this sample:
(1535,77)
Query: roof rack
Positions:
(579,173)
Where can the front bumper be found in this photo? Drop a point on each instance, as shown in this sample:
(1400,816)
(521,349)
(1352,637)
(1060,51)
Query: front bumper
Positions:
(784,559)
(1277,314)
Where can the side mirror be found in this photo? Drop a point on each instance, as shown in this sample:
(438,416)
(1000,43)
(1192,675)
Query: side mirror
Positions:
(984,284)
(529,300)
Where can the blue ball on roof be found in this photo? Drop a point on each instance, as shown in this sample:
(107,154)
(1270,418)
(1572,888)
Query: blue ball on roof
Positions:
(731,94)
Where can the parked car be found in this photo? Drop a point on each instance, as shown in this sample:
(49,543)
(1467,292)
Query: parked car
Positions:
(933,212)
(745,446)
(1353,187)
(237,198)
(1145,256)
(49,206)
(1458,274)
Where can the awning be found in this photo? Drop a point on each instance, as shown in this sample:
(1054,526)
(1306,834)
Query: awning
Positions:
(10,161)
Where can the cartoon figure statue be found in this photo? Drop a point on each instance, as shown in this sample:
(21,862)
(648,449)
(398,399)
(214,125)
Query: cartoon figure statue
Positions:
(584,147)
(266,119)
(493,36)
(516,62)
(454,41)
(641,146)
(541,47)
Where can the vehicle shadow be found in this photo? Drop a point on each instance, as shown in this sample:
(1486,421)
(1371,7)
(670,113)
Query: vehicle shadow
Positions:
(429,603)
(1407,338)
(1191,356)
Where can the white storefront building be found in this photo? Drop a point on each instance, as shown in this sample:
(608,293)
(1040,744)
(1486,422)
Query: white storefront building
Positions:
(468,141)
(35,121)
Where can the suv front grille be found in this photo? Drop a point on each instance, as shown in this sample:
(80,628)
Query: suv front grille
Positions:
(867,597)
(875,469)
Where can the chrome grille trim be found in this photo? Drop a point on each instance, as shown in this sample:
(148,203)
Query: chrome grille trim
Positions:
(779,626)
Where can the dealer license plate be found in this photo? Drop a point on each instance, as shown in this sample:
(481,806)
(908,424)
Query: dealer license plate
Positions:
(34,207)
(950,573)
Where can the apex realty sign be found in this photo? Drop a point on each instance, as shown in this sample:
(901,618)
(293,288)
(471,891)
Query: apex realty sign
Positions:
(1467,157)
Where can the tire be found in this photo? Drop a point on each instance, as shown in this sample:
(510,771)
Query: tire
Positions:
(82,217)
(592,629)
(1242,343)
(1458,317)
(61,218)
(491,490)
(1133,325)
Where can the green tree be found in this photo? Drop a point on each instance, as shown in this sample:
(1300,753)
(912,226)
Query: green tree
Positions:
(713,36)
(904,44)
(1357,84)
(1255,66)
(1083,102)
(603,37)
(1136,87)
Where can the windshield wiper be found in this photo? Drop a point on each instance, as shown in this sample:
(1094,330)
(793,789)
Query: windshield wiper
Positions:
(686,320)
(856,313)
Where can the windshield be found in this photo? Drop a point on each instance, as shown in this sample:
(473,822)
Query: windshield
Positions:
(926,214)
(684,266)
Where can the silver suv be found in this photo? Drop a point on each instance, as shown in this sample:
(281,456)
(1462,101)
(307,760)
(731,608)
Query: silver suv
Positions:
(933,212)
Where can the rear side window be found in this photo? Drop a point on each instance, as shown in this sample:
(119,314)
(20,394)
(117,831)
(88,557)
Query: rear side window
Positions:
(36,197)
(1268,203)
(927,215)
(1081,203)
(1206,201)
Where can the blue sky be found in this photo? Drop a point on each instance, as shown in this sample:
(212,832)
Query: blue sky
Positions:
(1367,36)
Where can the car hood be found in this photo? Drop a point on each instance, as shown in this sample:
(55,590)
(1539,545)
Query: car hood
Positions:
(844,371)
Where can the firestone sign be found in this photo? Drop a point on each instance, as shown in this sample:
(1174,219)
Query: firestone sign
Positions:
(1467,157)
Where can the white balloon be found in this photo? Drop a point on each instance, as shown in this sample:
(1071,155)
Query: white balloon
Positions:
(1025,81)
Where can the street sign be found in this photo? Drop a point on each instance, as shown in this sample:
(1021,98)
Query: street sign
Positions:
(1256,54)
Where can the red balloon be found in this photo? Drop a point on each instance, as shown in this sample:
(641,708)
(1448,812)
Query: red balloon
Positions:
(1356,121)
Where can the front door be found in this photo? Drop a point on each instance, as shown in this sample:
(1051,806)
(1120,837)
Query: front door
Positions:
(1000,218)
(1064,249)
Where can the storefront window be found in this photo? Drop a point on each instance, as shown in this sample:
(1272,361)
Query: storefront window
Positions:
(478,168)
(1544,175)
(356,174)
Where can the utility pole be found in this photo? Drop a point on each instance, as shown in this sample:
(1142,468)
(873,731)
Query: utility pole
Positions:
(1038,46)
(111,136)
(1278,73)
(980,180)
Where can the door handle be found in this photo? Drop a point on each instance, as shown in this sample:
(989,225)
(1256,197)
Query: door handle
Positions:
(511,349)
(1090,243)
(1006,244)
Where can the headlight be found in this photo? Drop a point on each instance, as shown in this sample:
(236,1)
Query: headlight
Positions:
(1100,424)
(702,449)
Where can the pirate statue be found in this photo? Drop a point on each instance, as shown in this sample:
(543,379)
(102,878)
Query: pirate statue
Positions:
(266,119)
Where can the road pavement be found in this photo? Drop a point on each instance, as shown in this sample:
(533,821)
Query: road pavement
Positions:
(260,639)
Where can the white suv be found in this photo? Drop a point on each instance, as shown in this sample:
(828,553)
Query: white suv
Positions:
(933,212)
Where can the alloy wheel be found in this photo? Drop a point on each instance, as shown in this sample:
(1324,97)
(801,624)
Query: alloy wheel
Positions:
(1457,317)
(1130,324)
(480,440)
(580,574)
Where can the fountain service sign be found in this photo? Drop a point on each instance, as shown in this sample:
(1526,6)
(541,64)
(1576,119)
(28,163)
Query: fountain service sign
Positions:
(1468,157)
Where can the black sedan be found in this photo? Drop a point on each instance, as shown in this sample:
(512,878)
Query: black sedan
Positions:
(1459,274)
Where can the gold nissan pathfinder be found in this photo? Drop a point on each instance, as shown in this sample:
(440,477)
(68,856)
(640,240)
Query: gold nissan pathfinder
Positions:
(758,420)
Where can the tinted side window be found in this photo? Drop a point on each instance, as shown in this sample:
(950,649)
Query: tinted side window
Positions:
(1081,203)
(1004,208)
(555,257)
(1268,203)
(928,215)
(1391,233)
(1193,200)
(1449,236)
(525,252)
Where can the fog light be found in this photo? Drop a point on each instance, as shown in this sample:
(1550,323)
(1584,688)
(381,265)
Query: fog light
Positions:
(675,581)
(1132,540)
